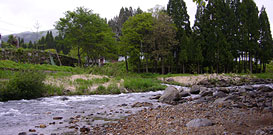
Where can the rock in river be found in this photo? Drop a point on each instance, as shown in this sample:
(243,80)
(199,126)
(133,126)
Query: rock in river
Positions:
(170,95)
(265,89)
(22,133)
(57,118)
(195,89)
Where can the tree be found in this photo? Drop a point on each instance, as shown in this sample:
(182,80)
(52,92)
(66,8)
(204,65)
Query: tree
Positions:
(265,41)
(12,40)
(134,31)
(30,44)
(86,32)
(198,38)
(200,2)
(178,11)
(163,36)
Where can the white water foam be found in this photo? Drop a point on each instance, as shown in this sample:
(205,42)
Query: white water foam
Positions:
(11,112)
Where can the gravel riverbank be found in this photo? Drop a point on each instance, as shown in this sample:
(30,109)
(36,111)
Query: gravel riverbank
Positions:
(172,120)
(201,110)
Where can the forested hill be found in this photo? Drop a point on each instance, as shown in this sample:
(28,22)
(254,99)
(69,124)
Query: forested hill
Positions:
(31,36)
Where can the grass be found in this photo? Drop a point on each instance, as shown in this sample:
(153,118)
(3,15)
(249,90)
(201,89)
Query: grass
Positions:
(6,74)
(133,82)
(268,74)
(7,64)
(264,75)
(53,90)
(142,84)
(111,89)
(83,84)
(110,69)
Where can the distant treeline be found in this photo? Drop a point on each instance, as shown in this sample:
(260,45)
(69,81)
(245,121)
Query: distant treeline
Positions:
(227,36)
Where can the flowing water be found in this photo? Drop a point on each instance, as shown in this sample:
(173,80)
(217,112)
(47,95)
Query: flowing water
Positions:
(22,115)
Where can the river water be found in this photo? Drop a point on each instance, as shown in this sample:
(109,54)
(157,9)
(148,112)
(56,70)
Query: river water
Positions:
(21,115)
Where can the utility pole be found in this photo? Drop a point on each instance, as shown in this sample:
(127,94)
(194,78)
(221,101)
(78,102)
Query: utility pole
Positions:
(37,26)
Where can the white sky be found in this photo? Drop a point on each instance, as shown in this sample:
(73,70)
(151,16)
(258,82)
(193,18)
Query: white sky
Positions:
(21,15)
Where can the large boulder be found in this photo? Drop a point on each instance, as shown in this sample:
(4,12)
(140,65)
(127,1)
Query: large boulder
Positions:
(265,89)
(219,94)
(195,89)
(170,95)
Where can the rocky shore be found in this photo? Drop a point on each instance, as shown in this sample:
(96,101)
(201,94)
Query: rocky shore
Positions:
(208,108)
(221,106)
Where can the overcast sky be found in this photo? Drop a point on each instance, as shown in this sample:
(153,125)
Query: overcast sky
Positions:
(22,15)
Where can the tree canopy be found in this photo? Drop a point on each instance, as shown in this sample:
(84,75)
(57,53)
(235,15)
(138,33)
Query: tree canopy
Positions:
(86,32)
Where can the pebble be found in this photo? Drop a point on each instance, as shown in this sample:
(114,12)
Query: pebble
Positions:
(42,126)
(32,130)
(57,118)
(84,129)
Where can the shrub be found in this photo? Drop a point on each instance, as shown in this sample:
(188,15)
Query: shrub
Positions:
(24,85)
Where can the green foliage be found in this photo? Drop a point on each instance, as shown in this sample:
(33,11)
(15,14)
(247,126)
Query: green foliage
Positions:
(101,89)
(51,50)
(25,85)
(82,29)
(53,90)
(110,69)
(6,74)
(266,41)
(268,74)
(142,84)
(113,89)
(83,84)
(134,31)
(7,64)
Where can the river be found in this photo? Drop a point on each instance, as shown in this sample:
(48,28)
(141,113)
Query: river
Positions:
(21,115)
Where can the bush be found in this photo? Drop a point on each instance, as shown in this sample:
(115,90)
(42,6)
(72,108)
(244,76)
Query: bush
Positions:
(24,85)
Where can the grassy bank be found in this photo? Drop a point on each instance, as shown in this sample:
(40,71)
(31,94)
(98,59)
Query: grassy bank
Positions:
(11,65)
(117,80)
(111,78)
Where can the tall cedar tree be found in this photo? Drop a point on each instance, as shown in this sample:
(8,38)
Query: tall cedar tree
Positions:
(266,43)
(178,11)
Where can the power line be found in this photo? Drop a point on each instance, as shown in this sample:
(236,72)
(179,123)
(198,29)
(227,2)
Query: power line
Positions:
(6,31)
(2,21)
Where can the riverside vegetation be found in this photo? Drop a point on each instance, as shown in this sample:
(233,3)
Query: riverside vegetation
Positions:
(27,81)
